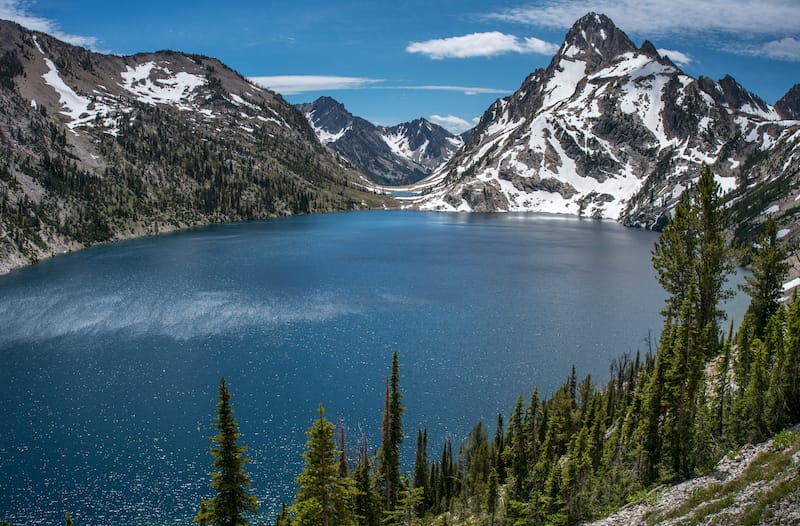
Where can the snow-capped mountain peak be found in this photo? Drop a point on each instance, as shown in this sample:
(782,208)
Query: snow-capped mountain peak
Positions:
(389,155)
(595,41)
(609,130)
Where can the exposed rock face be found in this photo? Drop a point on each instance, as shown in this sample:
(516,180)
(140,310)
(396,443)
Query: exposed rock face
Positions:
(668,503)
(789,105)
(395,155)
(606,118)
(100,147)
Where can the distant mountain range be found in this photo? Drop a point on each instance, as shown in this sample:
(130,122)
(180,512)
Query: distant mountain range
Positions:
(613,130)
(395,155)
(100,147)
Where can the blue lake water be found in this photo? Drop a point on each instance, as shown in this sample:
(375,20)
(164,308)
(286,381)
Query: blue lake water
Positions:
(111,357)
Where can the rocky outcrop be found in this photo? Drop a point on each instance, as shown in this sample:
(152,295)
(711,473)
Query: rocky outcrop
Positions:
(742,483)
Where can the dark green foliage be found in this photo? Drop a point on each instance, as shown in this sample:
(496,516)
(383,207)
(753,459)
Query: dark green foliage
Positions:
(367,505)
(492,488)
(68,520)
(765,284)
(421,467)
(324,496)
(392,437)
(229,479)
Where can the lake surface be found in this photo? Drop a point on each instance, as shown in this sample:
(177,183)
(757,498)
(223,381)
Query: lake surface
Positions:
(111,357)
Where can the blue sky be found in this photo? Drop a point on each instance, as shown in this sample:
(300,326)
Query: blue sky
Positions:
(393,61)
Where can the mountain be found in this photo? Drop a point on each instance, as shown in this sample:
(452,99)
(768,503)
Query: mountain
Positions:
(613,130)
(101,147)
(395,155)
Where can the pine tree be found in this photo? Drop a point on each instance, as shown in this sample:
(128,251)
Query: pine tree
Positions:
(409,500)
(392,431)
(229,479)
(421,474)
(367,500)
(283,518)
(765,284)
(714,256)
(515,446)
(499,447)
(324,497)
(344,468)
(68,520)
(492,490)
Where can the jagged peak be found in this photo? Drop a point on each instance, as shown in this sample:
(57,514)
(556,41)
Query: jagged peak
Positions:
(596,40)
(737,96)
(788,106)
(649,50)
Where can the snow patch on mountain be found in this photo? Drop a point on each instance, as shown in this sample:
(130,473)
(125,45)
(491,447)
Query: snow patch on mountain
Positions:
(81,110)
(154,83)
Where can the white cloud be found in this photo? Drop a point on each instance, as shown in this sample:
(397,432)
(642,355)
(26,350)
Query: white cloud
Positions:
(784,49)
(678,57)
(658,17)
(294,84)
(452,123)
(466,90)
(480,45)
(16,11)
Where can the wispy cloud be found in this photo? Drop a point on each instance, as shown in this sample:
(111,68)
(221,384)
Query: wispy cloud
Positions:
(294,84)
(678,57)
(784,49)
(488,44)
(466,90)
(454,124)
(657,17)
(17,11)
(768,28)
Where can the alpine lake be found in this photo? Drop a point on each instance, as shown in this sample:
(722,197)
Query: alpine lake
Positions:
(111,357)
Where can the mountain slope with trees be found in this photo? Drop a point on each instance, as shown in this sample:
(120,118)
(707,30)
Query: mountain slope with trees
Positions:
(101,147)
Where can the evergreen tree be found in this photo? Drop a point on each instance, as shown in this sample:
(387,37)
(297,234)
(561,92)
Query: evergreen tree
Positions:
(229,479)
(367,500)
(324,497)
(392,437)
(283,518)
(765,284)
(714,263)
(515,445)
(68,520)
(499,445)
(692,252)
(674,256)
(421,466)
(344,468)
(409,500)
(492,490)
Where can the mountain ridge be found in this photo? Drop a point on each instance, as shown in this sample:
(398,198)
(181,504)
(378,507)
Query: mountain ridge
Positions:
(105,147)
(612,130)
(388,155)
